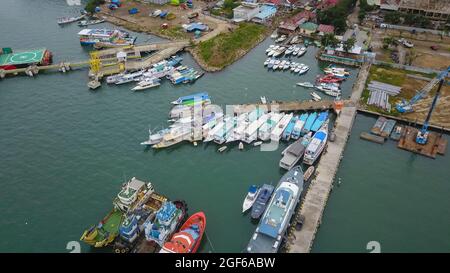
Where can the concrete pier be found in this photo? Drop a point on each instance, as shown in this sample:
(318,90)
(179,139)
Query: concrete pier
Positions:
(317,194)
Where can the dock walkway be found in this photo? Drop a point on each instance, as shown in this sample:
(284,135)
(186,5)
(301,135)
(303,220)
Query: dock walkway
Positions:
(317,194)
(288,106)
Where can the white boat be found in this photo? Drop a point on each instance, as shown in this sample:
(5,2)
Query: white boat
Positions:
(289,50)
(279,51)
(266,128)
(130,77)
(266,62)
(257,143)
(304,68)
(238,131)
(250,198)
(156,13)
(317,144)
(221,136)
(241,146)
(306,84)
(294,40)
(67,20)
(279,128)
(330,90)
(276,64)
(263,100)
(84,23)
(281,39)
(146,84)
(155,138)
(296,51)
(113,78)
(301,52)
(287,65)
(223,148)
(274,35)
(270,48)
(315,97)
(251,132)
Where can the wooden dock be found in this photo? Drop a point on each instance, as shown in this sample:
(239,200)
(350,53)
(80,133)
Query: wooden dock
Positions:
(314,202)
(436,143)
(287,106)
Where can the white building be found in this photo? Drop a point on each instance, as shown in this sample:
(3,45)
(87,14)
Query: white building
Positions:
(245,12)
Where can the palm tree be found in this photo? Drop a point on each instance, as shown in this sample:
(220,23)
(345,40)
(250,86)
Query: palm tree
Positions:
(348,45)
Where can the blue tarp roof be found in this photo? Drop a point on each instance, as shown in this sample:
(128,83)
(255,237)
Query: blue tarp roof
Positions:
(196,26)
(320,135)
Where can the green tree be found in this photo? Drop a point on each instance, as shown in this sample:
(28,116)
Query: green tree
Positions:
(393,17)
(329,40)
(349,44)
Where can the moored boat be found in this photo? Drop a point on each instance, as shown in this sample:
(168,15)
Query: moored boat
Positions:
(188,239)
(300,122)
(292,154)
(146,84)
(309,123)
(250,198)
(130,193)
(306,84)
(105,232)
(317,145)
(263,198)
(323,116)
(272,227)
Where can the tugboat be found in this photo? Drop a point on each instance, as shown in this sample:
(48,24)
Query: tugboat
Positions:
(131,230)
(272,227)
(105,232)
(188,239)
(129,195)
(167,220)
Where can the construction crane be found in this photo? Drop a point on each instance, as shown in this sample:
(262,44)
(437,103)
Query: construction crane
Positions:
(422,135)
(407,106)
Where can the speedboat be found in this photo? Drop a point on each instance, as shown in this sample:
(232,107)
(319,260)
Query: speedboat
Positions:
(250,198)
(261,201)
(147,83)
(304,68)
(301,52)
(306,84)
(315,97)
(155,138)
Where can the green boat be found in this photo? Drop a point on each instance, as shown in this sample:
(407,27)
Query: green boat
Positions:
(105,232)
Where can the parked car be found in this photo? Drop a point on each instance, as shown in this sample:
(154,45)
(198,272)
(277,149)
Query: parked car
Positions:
(434,47)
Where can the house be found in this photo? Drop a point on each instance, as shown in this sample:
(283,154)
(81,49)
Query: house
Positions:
(266,11)
(245,12)
(308,28)
(324,29)
(294,22)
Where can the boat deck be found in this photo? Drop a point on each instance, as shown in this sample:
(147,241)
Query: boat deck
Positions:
(436,143)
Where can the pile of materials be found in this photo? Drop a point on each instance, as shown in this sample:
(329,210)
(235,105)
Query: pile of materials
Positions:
(380,93)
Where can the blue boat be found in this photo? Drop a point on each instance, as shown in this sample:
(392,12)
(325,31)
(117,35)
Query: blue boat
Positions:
(309,123)
(174,60)
(197,96)
(319,121)
(261,201)
(289,128)
(274,222)
(299,126)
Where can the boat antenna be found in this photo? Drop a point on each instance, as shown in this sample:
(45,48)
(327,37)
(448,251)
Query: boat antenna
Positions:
(209,241)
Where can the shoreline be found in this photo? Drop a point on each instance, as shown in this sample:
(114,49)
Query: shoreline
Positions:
(135,27)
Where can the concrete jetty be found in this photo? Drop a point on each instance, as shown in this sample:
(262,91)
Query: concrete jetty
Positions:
(288,106)
(317,194)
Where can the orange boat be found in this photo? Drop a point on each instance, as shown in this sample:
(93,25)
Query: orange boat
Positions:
(188,239)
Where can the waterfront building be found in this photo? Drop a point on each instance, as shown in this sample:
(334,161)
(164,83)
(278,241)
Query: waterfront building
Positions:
(308,28)
(266,11)
(245,12)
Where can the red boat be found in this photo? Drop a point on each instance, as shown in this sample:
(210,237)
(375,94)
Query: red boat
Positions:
(188,239)
(329,78)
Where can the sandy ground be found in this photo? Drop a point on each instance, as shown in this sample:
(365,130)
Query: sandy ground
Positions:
(142,22)
(423,55)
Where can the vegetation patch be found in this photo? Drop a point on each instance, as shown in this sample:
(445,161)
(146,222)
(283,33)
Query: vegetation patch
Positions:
(225,48)
(175,32)
(92,4)
(337,15)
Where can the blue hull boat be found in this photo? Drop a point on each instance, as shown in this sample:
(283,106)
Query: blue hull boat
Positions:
(290,127)
(319,121)
(309,123)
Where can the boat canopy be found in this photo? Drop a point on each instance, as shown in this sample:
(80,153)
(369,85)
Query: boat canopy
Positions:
(252,189)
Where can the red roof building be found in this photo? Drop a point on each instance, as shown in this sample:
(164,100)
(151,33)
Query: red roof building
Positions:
(323,29)
(293,23)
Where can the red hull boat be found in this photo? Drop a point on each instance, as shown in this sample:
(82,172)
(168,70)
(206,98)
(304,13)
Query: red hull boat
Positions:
(188,239)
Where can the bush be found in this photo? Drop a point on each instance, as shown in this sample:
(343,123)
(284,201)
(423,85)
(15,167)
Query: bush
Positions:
(92,4)
(337,15)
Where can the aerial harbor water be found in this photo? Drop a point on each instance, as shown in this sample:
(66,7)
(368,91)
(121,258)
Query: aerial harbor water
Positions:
(66,150)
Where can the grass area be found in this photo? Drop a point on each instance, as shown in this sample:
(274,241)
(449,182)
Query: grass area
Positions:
(225,48)
(175,32)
